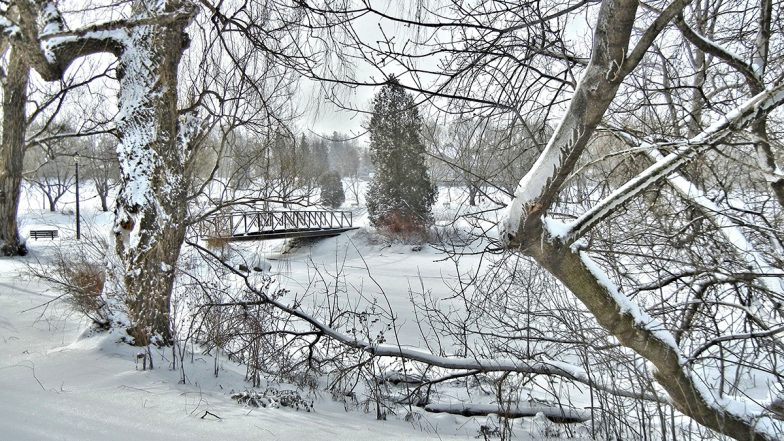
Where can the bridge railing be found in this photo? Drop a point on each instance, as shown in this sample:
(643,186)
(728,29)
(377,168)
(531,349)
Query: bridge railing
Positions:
(260,222)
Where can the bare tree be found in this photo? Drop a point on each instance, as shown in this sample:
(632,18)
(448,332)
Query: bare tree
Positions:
(497,57)
(486,153)
(54,173)
(102,167)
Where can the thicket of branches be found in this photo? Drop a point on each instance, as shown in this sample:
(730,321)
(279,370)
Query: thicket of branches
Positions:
(648,225)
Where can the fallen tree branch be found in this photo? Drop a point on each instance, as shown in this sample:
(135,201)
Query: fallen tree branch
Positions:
(541,367)
(554,414)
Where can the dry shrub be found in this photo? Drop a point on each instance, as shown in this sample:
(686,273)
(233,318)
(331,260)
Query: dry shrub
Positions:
(83,283)
(217,243)
(403,228)
(79,272)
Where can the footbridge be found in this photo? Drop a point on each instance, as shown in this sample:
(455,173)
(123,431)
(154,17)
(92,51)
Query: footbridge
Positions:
(266,225)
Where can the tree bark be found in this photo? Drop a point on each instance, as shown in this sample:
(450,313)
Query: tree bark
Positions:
(151,204)
(12,155)
(569,266)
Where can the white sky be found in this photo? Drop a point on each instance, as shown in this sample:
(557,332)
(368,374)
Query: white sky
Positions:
(320,115)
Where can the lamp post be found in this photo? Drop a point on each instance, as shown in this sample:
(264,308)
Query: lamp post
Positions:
(78,218)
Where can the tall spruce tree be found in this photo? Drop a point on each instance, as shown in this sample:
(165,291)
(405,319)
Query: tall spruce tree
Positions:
(401,193)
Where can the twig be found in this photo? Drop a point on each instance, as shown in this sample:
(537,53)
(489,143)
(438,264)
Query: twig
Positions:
(207,412)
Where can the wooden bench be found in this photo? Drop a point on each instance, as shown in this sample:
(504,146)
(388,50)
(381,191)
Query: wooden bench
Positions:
(36,234)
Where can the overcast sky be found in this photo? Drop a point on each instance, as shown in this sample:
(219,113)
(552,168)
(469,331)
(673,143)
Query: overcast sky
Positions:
(320,115)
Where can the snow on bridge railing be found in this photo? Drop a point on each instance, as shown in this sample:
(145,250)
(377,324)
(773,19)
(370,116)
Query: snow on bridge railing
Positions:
(236,224)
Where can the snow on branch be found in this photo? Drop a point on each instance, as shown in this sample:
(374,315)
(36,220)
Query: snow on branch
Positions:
(51,19)
(714,341)
(651,339)
(639,331)
(543,367)
(557,414)
(185,13)
(708,46)
(51,47)
(684,151)
(729,228)
(8,27)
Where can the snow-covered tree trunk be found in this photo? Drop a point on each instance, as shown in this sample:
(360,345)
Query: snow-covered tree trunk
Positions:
(12,150)
(528,229)
(647,337)
(594,93)
(151,204)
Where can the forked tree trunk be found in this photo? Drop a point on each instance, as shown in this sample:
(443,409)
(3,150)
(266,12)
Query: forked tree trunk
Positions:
(12,154)
(151,204)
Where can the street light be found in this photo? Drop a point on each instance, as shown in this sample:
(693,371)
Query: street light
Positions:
(78,219)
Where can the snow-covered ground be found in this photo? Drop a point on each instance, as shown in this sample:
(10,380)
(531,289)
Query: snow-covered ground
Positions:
(60,382)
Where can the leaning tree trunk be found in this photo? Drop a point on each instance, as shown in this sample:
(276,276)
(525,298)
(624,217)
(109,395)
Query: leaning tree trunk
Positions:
(579,274)
(151,205)
(12,154)
(539,190)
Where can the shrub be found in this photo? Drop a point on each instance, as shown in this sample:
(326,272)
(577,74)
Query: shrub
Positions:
(398,227)
(79,272)
(273,398)
(332,194)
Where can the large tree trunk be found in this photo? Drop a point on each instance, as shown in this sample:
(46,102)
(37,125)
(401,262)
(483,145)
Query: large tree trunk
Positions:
(637,331)
(151,205)
(539,190)
(12,155)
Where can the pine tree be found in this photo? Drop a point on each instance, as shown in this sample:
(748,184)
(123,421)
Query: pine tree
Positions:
(332,194)
(401,193)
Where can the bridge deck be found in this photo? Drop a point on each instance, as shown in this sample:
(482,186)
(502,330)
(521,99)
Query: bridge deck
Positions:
(266,225)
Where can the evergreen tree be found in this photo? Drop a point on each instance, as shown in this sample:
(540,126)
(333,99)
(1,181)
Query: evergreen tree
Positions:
(401,193)
(332,194)
(320,158)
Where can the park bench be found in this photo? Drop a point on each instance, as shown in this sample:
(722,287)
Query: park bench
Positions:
(36,234)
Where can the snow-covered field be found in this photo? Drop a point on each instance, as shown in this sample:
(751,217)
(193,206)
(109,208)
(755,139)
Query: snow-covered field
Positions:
(61,385)
(60,382)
